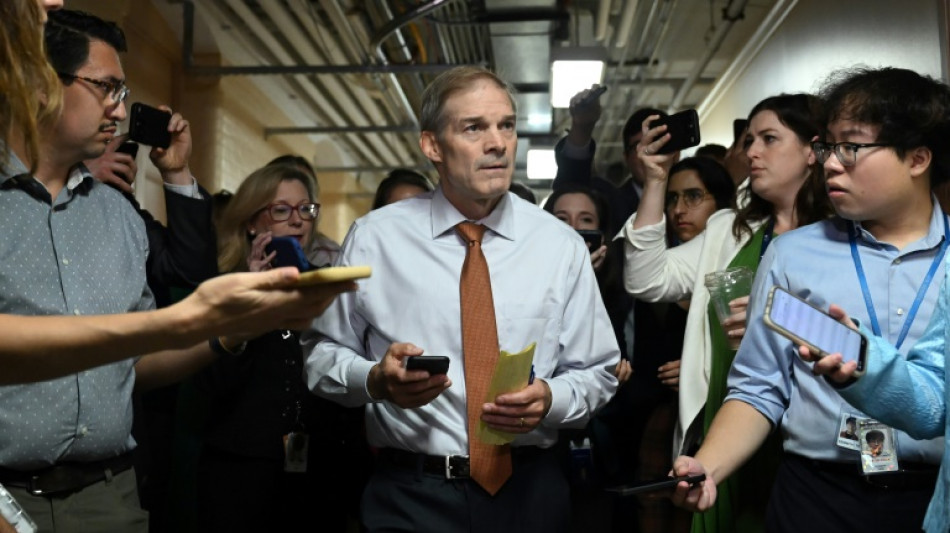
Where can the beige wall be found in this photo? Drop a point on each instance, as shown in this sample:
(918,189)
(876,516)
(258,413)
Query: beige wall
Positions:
(227,115)
(816,38)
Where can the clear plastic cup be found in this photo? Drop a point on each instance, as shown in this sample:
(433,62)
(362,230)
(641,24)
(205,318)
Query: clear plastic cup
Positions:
(725,286)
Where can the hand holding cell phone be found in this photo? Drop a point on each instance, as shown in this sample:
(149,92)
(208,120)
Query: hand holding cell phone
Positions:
(683,129)
(820,333)
(149,125)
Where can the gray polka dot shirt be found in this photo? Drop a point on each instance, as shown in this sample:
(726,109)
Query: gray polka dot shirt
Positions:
(81,253)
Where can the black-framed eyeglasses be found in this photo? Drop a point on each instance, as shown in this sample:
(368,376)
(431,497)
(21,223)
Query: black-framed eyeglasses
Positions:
(847,152)
(280,212)
(691,197)
(116,90)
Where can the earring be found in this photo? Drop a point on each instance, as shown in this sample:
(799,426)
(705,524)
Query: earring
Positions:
(252,232)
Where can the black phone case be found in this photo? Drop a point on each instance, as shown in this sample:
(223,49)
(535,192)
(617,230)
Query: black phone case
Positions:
(433,364)
(289,253)
(592,96)
(149,125)
(593,238)
(129,147)
(655,485)
(683,128)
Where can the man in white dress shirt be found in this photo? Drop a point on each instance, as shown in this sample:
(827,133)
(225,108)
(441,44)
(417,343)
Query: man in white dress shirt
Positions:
(544,292)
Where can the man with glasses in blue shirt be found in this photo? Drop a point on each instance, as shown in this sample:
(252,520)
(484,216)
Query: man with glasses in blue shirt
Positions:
(881,258)
(73,246)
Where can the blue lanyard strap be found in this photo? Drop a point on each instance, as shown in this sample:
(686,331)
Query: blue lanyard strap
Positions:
(921,292)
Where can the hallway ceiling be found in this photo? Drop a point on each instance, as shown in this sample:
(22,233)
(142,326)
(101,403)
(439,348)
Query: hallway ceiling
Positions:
(353,70)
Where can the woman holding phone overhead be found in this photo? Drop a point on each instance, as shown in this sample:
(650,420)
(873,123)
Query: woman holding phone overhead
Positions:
(263,464)
(786,191)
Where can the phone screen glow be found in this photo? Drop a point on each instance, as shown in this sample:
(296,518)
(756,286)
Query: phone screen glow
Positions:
(814,326)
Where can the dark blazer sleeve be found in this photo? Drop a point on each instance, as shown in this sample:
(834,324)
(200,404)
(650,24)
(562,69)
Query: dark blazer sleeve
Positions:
(572,171)
(185,253)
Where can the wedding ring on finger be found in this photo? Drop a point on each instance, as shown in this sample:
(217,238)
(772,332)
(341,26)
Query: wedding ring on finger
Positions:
(522,421)
(647,151)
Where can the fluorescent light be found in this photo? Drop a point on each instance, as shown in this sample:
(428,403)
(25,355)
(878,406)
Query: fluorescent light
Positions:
(574,69)
(541,164)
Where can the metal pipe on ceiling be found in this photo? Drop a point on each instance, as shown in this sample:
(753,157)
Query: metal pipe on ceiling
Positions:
(268,132)
(260,41)
(626,23)
(603,17)
(389,88)
(406,18)
(732,13)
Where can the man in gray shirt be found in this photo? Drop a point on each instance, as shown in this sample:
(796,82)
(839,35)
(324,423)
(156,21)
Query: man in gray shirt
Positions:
(73,246)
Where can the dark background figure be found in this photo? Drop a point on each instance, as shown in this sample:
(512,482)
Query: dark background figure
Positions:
(523,191)
(399,184)
(273,455)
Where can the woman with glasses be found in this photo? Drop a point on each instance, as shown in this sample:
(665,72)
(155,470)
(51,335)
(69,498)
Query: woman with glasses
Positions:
(786,191)
(269,446)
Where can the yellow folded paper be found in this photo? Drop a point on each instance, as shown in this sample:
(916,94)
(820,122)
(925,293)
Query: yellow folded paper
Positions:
(512,373)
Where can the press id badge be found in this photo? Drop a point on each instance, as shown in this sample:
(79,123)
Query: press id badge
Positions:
(878,447)
(296,446)
(848,431)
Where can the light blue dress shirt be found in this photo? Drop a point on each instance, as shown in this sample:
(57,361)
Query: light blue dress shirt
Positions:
(911,395)
(82,252)
(544,291)
(815,263)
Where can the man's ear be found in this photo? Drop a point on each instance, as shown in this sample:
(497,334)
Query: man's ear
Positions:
(430,147)
(919,159)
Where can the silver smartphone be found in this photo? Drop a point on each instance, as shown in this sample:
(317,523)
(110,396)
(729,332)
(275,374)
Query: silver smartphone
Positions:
(11,511)
(807,325)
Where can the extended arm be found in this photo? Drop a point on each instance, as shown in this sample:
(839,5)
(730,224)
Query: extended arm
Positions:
(39,348)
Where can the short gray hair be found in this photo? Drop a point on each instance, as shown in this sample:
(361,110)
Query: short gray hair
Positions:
(433,117)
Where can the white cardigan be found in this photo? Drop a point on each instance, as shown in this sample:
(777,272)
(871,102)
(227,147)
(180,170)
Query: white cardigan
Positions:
(654,273)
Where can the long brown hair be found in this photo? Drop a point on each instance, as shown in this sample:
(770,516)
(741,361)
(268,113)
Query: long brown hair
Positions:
(30,93)
(255,192)
(801,113)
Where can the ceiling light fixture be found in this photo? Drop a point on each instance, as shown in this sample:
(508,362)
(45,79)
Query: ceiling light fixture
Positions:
(541,164)
(573,69)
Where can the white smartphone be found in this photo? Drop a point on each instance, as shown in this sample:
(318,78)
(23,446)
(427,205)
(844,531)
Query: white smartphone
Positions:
(807,325)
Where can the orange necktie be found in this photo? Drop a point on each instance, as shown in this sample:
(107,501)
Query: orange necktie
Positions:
(490,465)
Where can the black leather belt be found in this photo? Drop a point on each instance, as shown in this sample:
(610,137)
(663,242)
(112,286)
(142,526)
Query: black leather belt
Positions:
(911,476)
(448,466)
(65,477)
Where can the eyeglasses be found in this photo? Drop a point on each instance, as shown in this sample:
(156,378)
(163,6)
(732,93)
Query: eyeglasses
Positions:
(691,197)
(116,90)
(847,152)
(281,212)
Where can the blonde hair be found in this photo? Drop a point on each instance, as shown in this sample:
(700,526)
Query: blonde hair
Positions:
(255,192)
(31,95)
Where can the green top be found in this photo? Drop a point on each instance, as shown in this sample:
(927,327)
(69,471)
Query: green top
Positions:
(742,498)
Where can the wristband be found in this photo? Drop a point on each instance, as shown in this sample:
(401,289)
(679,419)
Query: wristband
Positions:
(219,348)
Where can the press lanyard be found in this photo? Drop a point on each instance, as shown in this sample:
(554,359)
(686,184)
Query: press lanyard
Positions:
(869,303)
(767,237)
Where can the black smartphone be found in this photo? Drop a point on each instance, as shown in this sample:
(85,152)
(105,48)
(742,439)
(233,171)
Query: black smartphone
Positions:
(683,128)
(129,147)
(807,325)
(592,96)
(594,238)
(738,128)
(289,253)
(149,125)
(433,364)
(667,483)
